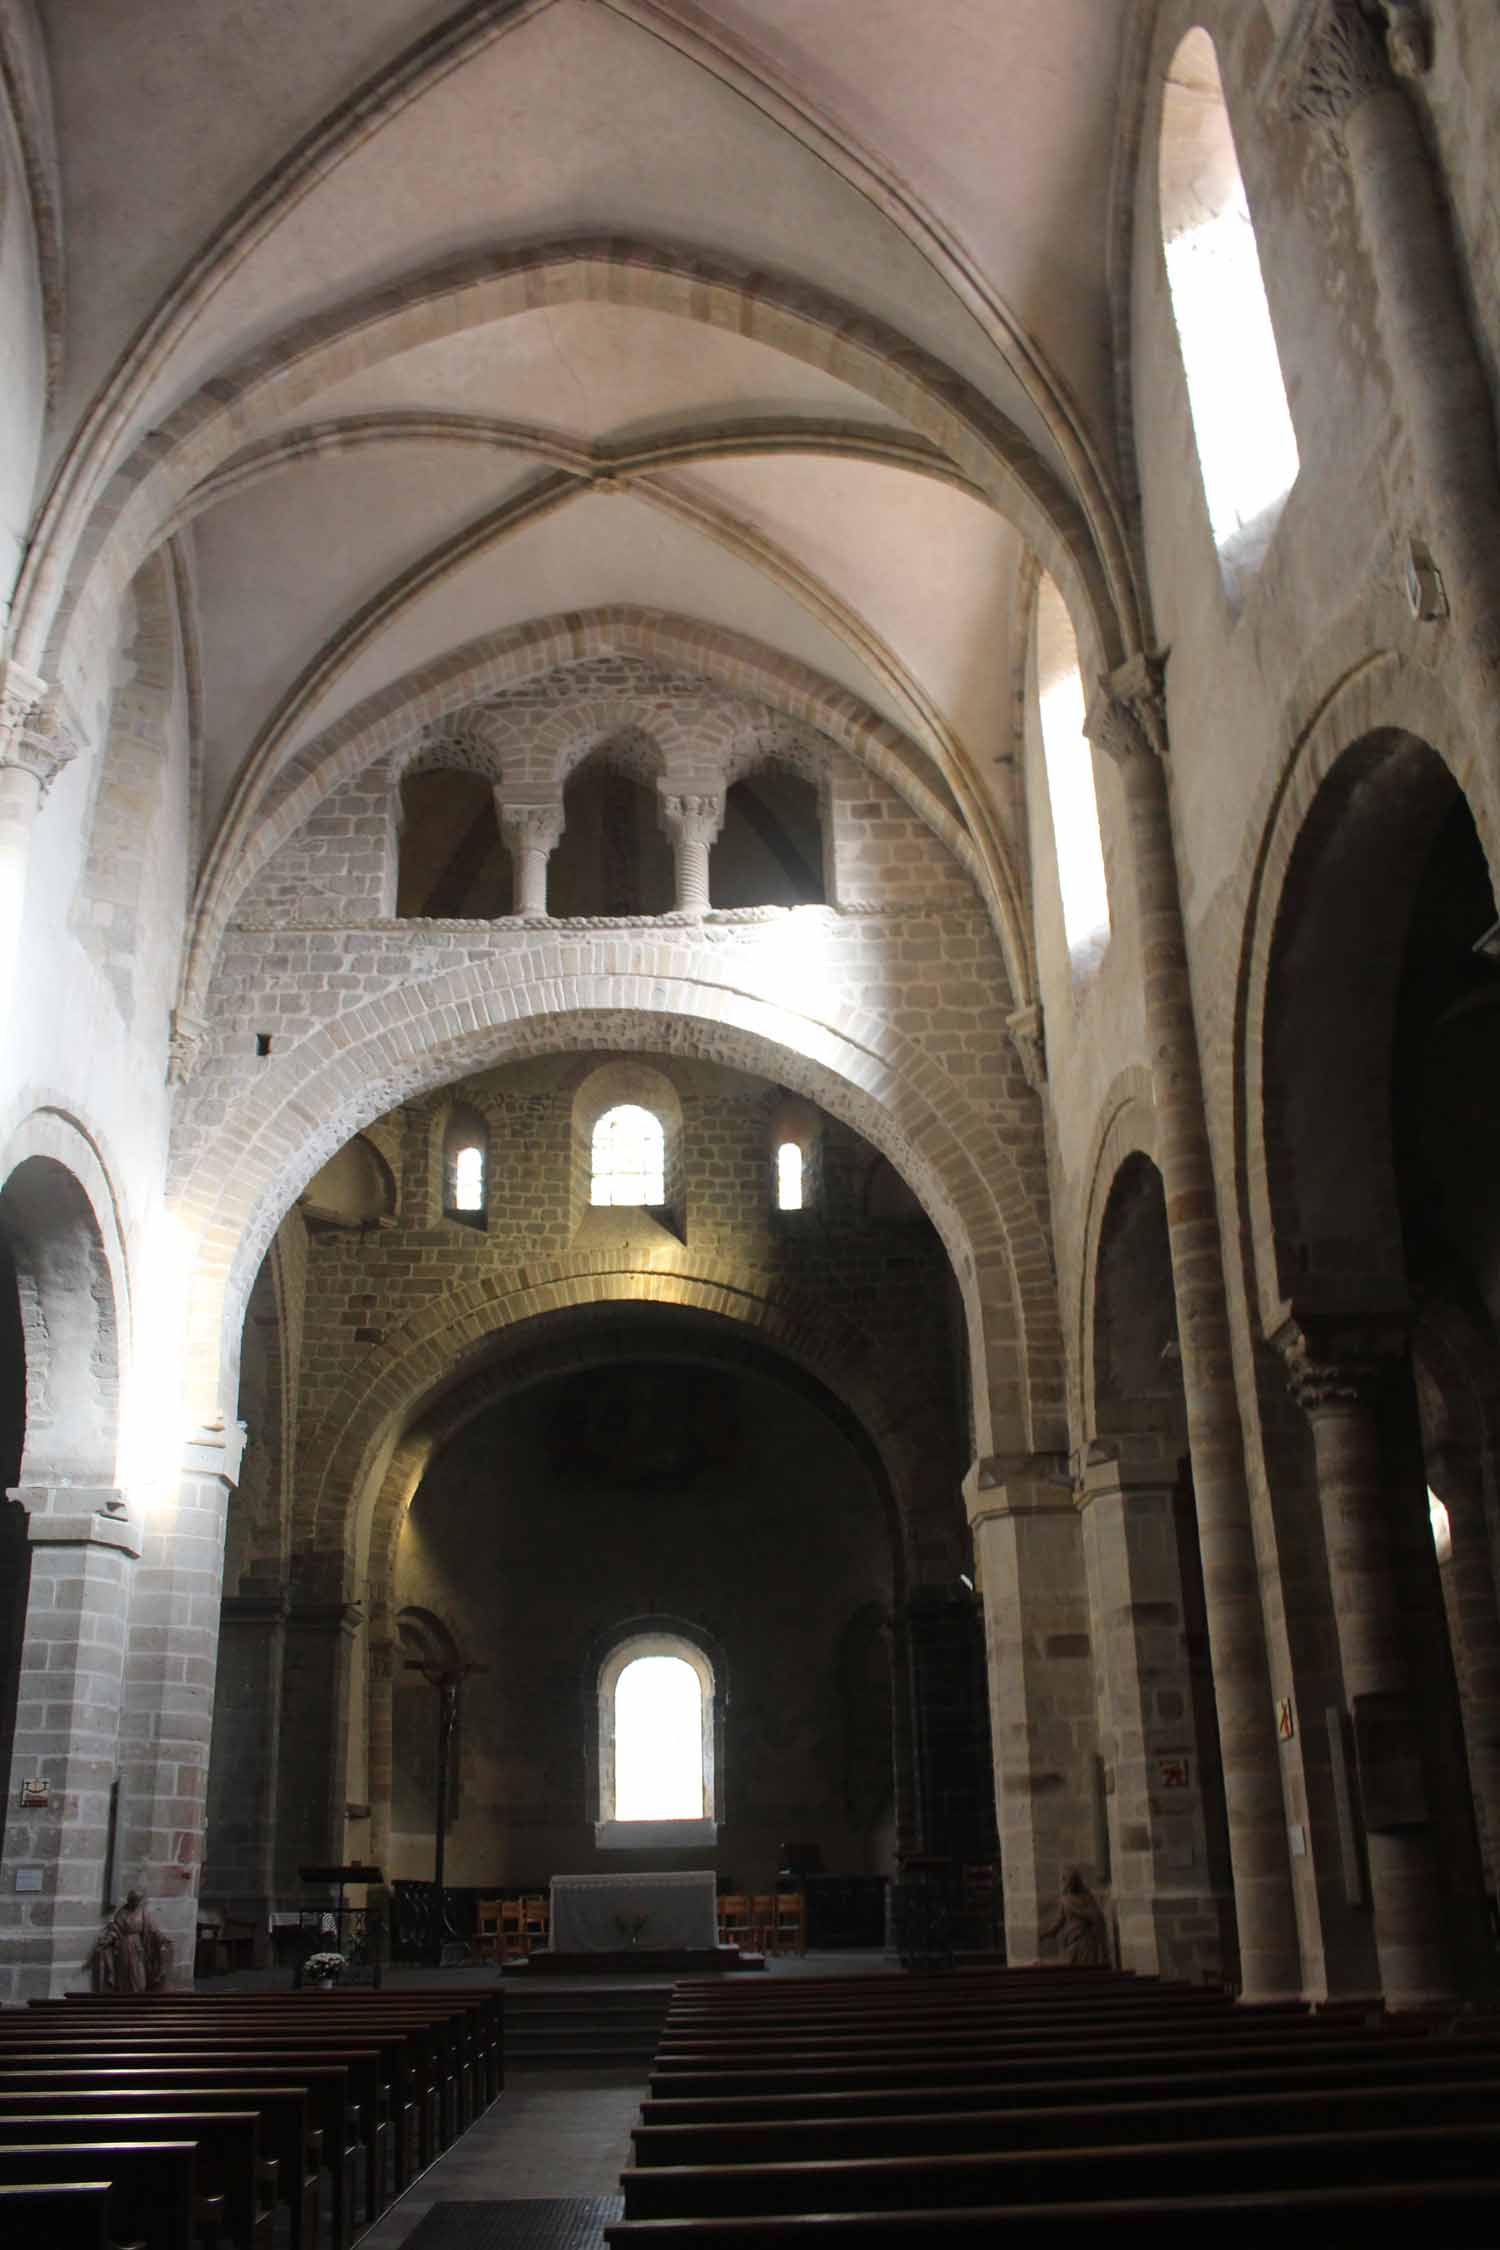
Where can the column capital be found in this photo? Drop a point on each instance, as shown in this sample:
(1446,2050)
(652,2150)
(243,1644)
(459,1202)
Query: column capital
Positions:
(692,817)
(1028,1038)
(1333,1364)
(185,1037)
(1127,718)
(36,733)
(1018,1484)
(215,1450)
(530,824)
(1335,54)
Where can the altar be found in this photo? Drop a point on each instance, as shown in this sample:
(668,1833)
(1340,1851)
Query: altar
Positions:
(623,1913)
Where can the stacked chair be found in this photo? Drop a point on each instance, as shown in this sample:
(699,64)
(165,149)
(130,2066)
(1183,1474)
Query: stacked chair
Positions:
(194,2121)
(1034,2106)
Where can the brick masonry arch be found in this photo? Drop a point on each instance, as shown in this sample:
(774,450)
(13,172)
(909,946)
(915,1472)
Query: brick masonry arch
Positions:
(250,1156)
(380,1434)
(1376,697)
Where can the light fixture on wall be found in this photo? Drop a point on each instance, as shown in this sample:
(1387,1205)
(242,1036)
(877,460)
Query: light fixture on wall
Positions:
(1425,594)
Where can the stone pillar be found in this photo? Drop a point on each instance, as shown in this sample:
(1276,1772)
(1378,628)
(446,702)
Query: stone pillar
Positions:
(1339,1378)
(1127,719)
(83,1553)
(382,1724)
(532,831)
(320,1637)
(1172,1918)
(1029,1554)
(171,1657)
(1456,1474)
(239,1865)
(35,744)
(1338,68)
(692,823)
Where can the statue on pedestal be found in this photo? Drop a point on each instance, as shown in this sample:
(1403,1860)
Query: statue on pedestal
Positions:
(130,1953)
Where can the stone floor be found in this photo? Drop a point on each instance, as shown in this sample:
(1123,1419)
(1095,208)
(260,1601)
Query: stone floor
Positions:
(557,2132)
(551,2133)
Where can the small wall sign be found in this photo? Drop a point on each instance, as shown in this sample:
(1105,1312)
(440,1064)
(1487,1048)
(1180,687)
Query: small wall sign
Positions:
(35,1793)
(1286,1720)
(1173,1773)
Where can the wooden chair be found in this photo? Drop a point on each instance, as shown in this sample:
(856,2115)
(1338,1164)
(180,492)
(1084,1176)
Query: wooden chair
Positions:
(789,1922)
(487,1935)
(536,1922)
(512,1929)
(763,1922)
(734,1920)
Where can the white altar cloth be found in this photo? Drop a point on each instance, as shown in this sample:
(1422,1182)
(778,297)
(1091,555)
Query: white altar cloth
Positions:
(598,1913)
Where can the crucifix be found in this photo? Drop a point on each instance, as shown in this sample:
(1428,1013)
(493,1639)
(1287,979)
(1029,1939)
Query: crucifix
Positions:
(447,1679)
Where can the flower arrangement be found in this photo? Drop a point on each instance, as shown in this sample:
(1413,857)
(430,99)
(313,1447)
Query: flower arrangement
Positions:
(323,1968)
(630,1922)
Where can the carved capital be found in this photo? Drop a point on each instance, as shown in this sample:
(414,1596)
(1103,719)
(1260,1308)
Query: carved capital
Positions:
(1408,38)
(35,732)
(1127,718)
(184,1044)
(1029,1041)
(533,828)
(692,820)
(1331,1367)
(1332,57)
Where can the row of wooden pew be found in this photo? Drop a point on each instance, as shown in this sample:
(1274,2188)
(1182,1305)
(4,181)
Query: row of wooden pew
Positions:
(187,2121)
(1036,2104)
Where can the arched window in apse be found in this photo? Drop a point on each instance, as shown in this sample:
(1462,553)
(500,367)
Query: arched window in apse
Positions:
(464,1166)
(1247,449)
(788,1177)
(658,1741)
(1069,759)
(629,1157)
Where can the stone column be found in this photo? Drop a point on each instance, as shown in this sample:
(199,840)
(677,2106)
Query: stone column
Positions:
(239,1867)
(171,1657)
(1341,1378)
(35,744)
(1170,1915)
(1029,1554)
(320,1638)
(1457,1477)
(1336,67)
(382,1723)
(83,1553)
(1127,719)
(692,822)
(532,831)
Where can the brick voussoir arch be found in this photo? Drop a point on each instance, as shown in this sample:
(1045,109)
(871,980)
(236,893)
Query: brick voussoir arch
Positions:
(353,1437)
(1372,692)
(635,995)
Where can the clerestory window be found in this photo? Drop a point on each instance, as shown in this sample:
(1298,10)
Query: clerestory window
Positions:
(1069,758)
(789,1177)
(464,1166)
(629,1157)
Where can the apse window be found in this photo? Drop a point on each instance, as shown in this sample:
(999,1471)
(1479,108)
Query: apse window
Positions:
(658,1741)
(1069,758)
(629,1157)
(1247,449)
(789,1177)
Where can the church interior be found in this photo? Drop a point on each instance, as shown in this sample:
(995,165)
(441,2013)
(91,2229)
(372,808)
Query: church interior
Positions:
(749,813)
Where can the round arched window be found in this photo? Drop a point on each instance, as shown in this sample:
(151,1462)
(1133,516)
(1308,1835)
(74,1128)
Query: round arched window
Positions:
(657,1778)
(629,1157)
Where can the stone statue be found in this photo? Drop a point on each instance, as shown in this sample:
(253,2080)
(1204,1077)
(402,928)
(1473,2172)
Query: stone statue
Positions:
(130,1954)
(1080,1923)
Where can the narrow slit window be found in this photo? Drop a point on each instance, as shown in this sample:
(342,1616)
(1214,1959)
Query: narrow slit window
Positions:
(629,1157)
(789,1177)
(468,1180)
(1442,1529)
(1069,757)
(1247,449)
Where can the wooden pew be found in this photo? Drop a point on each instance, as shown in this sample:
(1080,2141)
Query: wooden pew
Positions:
(1410,2155)
(1455,2215)
(287,2133)
(898,2100)
(64,2214)
(151,2190)
(336,2116)
(1129,2123)
(231,2172)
